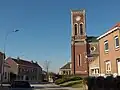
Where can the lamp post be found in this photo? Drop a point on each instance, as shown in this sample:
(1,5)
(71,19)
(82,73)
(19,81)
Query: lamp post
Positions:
(2,65)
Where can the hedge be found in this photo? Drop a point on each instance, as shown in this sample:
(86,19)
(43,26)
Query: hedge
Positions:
(66,79)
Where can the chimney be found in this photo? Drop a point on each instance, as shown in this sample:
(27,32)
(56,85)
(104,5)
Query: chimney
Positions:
(32,61)
(18,58)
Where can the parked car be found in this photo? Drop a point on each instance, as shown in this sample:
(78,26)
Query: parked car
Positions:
(20,85)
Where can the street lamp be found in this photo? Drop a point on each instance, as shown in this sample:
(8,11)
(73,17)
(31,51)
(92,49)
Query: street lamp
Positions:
(2,65)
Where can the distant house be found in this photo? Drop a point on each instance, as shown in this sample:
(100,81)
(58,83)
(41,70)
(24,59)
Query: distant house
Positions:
(66,69)
(25,70)
(6,74)
(4,71)
(44,75)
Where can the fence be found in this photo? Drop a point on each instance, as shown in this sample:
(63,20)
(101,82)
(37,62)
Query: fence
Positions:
(102,83)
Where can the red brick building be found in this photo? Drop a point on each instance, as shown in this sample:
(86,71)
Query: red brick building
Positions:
(83,48)
(109,45)
(25,70)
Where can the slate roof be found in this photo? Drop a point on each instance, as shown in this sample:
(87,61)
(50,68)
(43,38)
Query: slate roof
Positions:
(24,62)
(92,39)
(66,66)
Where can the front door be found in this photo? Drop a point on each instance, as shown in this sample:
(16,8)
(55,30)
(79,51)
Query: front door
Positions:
(118,67)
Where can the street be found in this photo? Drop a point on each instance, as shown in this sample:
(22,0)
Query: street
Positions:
(50,86)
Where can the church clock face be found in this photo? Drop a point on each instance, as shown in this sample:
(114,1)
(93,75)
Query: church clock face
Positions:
(78,18)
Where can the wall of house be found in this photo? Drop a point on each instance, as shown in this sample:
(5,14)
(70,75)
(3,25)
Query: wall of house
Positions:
(94,66)
(1,58)
(39,75)
(93,57)
(111,55)
(6,77)
(65,72)
(13,66)
(30,72)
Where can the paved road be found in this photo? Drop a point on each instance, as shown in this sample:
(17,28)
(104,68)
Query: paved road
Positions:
(51,87)
(45,87)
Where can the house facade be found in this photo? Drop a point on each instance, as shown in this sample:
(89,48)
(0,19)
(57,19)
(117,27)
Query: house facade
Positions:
(66,69)
(6,74)
(84,61)
(93,55)
(25,70)
(110,51)
(4,69)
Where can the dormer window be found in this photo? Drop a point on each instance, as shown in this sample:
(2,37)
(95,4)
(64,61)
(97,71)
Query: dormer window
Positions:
(81,29)
(75,26)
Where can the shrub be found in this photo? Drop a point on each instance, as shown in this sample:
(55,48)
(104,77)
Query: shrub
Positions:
(66,79)
(100,82)
(118,82)
(74,78)
(60,81)
(72,83)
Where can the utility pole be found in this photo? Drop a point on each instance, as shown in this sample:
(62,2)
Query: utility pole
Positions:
(47,65)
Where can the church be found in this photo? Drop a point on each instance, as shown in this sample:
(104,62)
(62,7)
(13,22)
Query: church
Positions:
(84,48)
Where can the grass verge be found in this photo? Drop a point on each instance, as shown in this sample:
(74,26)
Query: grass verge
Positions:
(74,84)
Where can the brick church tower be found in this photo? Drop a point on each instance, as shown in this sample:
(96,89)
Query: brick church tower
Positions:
(78,42)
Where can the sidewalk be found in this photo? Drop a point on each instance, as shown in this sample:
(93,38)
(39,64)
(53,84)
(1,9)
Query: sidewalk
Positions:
(4,88)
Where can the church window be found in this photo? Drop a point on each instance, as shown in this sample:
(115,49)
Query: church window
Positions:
(75,29)
(81,29)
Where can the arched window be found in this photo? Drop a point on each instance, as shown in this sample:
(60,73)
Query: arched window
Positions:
(81,29)
(75,26)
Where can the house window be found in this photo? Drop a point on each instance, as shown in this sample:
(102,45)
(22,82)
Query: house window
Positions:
(81,29)
(31,70)
(23,70)
(19,69)
(92,71)
(106,45)
(108,67)
(75,29)
(5,75)
(21,77)
(97,71)
(63,72)
(116,42)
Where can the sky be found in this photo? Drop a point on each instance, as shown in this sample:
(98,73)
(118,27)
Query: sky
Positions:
(45,29)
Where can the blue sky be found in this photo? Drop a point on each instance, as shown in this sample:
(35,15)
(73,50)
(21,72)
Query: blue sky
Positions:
(45,27)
